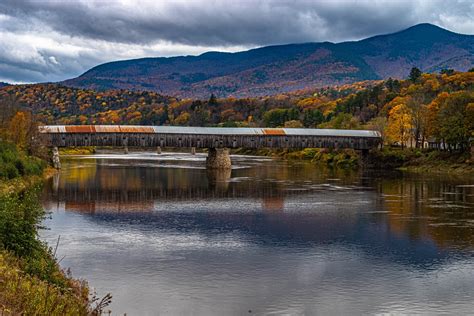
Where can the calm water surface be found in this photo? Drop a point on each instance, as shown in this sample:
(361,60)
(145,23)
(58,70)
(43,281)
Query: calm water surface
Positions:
(165,236)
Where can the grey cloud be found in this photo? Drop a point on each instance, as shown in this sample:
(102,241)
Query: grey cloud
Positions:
(232,23)
(142,27)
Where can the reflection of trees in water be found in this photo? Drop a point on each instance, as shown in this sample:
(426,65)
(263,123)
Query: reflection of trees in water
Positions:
(94,187)
(92,207)
(430,208)
(419,208)
(273,204)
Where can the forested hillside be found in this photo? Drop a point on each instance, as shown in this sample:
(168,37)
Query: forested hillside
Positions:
(279,69)
(439,106)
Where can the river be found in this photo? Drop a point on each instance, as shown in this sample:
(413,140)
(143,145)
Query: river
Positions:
(165,236)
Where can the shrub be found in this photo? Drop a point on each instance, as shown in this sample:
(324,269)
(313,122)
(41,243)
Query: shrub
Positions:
(10,171)
(14,163)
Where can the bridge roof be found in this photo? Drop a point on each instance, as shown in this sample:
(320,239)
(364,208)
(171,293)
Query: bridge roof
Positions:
(67,129)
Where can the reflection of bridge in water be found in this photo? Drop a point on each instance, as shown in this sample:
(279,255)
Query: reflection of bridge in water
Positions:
(104,193)
(216,140)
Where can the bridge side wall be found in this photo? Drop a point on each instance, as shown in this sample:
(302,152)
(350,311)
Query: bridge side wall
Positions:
(207,141)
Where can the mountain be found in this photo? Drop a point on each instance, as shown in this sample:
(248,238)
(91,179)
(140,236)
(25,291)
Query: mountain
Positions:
(277,69)
(3,84)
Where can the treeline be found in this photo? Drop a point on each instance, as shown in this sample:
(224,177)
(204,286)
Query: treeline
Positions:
(425,107)
(21,151)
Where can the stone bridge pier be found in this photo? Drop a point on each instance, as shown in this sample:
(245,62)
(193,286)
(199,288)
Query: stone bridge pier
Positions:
(55,158)
(218,158)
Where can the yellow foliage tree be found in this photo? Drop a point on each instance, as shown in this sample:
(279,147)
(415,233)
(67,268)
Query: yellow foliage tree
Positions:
(399,124)
(20,129)
(182,119)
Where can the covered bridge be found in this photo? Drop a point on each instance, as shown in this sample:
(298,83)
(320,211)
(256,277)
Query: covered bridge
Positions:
(216,139)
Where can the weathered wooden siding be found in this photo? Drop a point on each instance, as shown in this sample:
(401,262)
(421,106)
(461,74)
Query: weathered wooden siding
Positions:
(131,139)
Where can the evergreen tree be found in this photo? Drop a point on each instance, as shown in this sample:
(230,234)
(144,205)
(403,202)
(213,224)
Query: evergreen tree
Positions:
(212,100)
(415,74)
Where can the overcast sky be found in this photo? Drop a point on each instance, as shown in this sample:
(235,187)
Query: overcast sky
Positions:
(52,40)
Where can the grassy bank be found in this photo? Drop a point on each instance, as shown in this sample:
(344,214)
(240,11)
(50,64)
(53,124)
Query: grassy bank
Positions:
(15,164)
(346,158)
(77,151)
(423,161)
(31,281)
(412,160)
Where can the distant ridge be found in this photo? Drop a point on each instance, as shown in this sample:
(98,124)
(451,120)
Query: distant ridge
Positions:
(276,69)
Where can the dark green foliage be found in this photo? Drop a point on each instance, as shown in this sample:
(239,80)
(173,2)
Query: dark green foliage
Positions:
(212,100)
(455,127)
(393,85)
(312,118)
(20,215)
(415,74)
(447,71)
(278,117)
(14,163)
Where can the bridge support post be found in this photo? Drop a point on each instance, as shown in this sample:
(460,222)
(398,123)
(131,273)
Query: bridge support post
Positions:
(193,150)
(364,160)
(158,150)
(56,161)
(218,158)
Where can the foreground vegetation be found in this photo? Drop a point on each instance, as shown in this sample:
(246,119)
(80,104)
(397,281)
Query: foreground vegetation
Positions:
(14,164)
(31,281)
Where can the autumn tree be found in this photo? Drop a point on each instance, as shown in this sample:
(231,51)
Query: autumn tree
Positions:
(293,124)
(23,131)
(9,105)
(199,115)
(278,117)
(418,113)
(454,117)
(342,121)
(399,124)
(378,124)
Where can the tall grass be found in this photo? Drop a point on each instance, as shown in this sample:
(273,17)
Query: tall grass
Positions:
(14,163)
(25,294)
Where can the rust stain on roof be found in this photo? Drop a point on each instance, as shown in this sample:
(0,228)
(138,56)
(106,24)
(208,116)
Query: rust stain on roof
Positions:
(273,131)
(107,129)
(80,129)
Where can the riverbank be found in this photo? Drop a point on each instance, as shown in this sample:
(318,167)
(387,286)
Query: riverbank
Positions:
(423,161)
(346,158)
(77,150)
(31,281)
(410,160)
